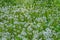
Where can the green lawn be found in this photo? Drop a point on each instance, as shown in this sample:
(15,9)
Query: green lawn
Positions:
(29,19)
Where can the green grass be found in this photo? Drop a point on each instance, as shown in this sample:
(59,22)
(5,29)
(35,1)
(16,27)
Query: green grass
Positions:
(29,20)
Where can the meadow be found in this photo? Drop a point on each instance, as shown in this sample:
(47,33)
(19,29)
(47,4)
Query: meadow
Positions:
(29,19)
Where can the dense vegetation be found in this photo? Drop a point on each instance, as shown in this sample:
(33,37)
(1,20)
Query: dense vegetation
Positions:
(29,19)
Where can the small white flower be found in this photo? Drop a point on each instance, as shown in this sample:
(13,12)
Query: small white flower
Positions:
(40,39)
(49,39)
(16,22)
(47,33)
(17,10)
(4,38)
(1,23)
(24,38)
(29,28)
(38,19)
(12,39)
(23,32)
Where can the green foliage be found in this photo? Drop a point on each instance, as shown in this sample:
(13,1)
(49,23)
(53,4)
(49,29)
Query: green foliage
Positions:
(30,19)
